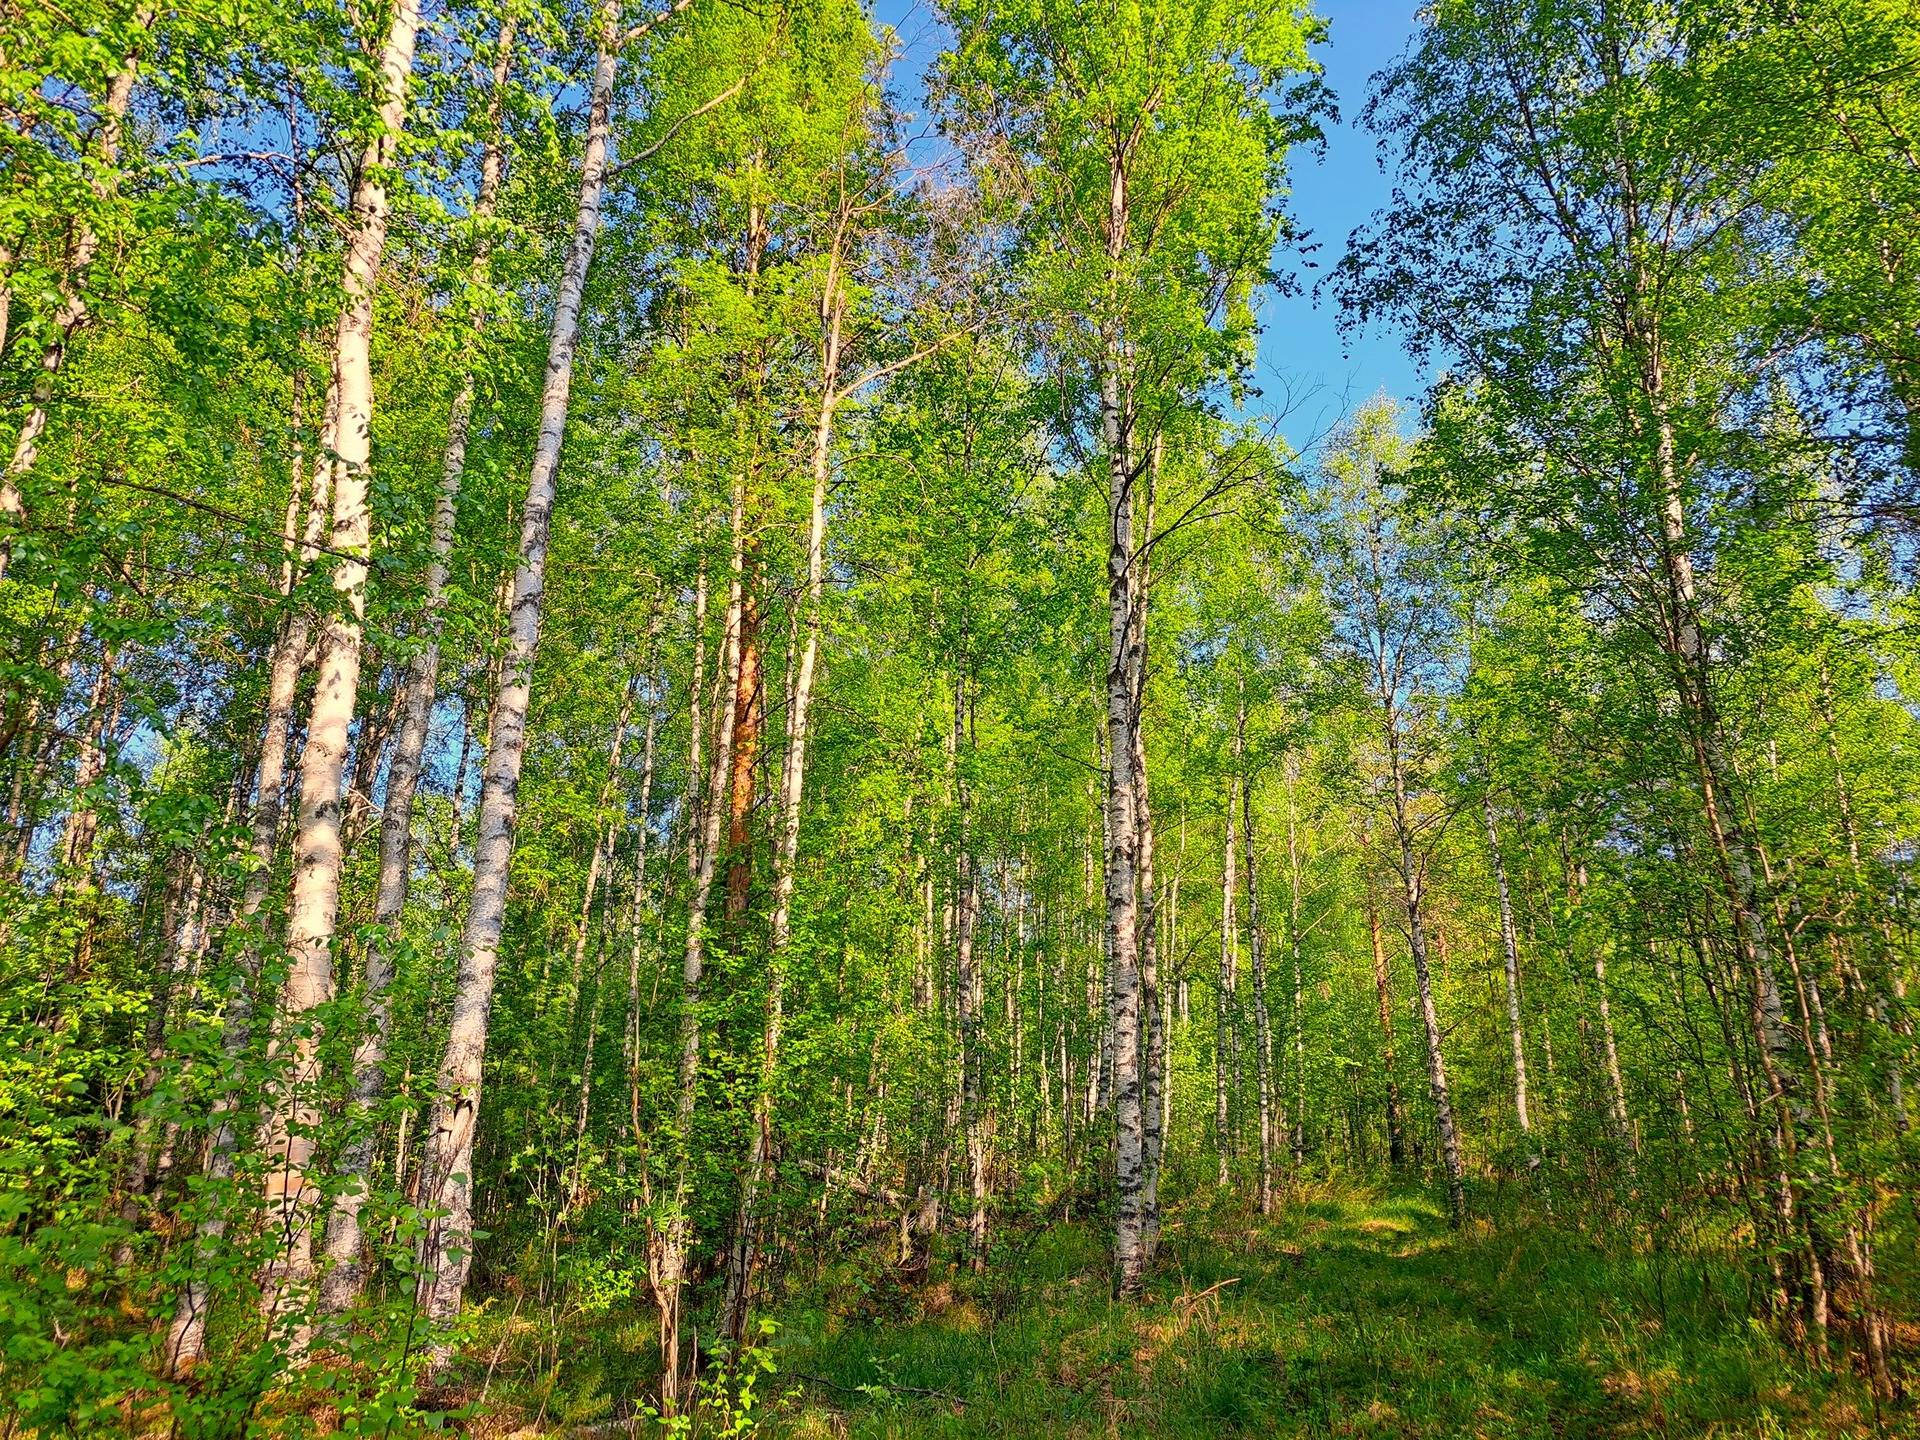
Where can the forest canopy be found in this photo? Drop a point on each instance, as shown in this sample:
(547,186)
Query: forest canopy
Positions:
(695,737)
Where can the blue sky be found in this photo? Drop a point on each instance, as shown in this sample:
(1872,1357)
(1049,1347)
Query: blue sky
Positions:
(1306,364)
(1302,342)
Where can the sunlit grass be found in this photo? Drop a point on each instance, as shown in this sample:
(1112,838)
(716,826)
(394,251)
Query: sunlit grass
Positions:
(1351,1312)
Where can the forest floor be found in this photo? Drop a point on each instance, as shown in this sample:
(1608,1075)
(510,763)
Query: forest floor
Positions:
(1353,1312)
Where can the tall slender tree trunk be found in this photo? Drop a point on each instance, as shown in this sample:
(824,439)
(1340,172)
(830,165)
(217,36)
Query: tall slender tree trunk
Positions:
(1620,1121)
(72,311)
(1262,1019)
(1153,1033)
(1510,952)
(579,982)
(1152,1011)
(386,705)
(1677,609)
(574,1187)
(749,717)
(90,766)
(314,904)
(1166,1093)
(180,932)
(187,1333)
(1299,1127)
(599,857)
(749,713)
(696,718)
(1889,989)
(969,980)
(29,776)
(447,1158)
(667,1256)
(6,293)
(1100,1077)
(636,915)
(1225,999)
(76,878)
(1412,883)
(1125,1014)
(344,1276)
(793,773)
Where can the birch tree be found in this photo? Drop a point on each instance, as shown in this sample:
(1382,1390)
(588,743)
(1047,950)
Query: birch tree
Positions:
(1185,117)
(343,1279)
(447,1155)
(1395,621)
(313,907)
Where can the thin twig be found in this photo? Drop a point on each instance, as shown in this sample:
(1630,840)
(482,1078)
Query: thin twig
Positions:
(1187,1302)
(869,1389)
(622,41)
(506,1332)
(674,129)
(242,521)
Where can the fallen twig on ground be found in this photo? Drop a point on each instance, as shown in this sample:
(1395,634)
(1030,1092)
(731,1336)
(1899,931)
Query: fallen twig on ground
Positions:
(1187,1302)
(877,1385)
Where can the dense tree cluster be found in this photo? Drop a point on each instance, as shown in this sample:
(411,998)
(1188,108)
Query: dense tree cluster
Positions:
(626,666)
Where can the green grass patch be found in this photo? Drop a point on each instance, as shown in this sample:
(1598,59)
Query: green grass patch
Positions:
(1351,1312)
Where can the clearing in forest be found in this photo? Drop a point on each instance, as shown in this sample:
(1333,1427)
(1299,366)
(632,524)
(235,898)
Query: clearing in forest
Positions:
(1354,1312)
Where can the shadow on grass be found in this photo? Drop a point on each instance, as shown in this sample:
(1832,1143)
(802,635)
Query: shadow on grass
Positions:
(1353,1312)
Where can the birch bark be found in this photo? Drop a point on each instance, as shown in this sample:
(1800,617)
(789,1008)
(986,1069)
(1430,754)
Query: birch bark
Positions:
(72,312)
(1262,1020)
(1510,952)
(793,772)
(187,1332)
(667,1254)
(970,987)
(1413,889)
(1299,1127)
(344,1277)
(1225,999)
(447,1155)
(1383,993)
(636,914)
(1124,1013)
(313,907)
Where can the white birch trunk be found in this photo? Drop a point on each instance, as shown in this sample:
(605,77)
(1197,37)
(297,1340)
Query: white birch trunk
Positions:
(447,1159)
(344,1277)
(1510,950)
(1412,884)
(1293,946)
(72,313)
(1122,886)
(1618,1119)
(636,915)
(668,1253)
(1153,1102)
(1225,999)
(1262,1020)
(1153,1033)
(970,991)
(313,906)
(603,836)
(1383,998)
(187,1333)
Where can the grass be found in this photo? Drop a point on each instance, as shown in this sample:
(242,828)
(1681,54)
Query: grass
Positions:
(1354,1313)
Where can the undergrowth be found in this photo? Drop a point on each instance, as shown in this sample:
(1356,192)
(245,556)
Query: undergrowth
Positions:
(1351,1312)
